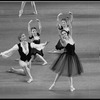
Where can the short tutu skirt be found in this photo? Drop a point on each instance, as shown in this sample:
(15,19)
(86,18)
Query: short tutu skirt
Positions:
(67,65)
(34,51)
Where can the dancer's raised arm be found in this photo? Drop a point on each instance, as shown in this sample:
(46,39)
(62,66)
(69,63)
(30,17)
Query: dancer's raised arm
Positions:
(71,17)
(58,22)
(29,28)
(70,22)
(39,24)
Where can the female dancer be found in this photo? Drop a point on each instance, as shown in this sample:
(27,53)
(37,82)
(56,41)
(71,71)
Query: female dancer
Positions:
(24,49)
(67,64)
(64,22)
(23,5)
(34,36)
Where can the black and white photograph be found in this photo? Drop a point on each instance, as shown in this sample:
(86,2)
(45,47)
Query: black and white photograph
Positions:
(50,49)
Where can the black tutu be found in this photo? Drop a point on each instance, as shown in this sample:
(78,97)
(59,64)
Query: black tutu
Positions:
(67,63)
(34,51)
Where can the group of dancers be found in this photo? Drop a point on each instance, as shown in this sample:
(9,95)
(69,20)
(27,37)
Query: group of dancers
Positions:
(66,64)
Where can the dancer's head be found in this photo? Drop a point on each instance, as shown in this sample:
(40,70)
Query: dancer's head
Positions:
(64,34)
(34,31)
(22,37)
(65,22)
(66,19)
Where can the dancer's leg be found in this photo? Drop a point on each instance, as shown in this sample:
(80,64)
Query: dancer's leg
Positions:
(17,71)
(22,7)
(71,84)
(34,7)
(29,66)
(45,62)
(55,80)
(26,67)
(27,71)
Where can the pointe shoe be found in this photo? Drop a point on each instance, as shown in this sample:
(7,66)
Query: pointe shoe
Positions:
(30,80)
(72,89)
(45,63)
(20,13)
(51,86)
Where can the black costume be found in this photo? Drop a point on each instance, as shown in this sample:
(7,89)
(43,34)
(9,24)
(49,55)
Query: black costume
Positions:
(35,51)
(67,63)
(23,56)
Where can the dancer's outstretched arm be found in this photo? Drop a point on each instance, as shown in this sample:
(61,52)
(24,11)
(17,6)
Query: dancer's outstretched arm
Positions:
(9,52)
(39,46)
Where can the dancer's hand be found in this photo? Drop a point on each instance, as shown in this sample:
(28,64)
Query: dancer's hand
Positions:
(70,12)
(37,20)
(59,14)
(30,21)
(47,42)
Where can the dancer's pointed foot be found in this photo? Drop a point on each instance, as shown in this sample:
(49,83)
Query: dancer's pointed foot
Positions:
(51,86)
(72,89)
(20,13)
(30,80)
(45,63)
(11,70)
(35,13)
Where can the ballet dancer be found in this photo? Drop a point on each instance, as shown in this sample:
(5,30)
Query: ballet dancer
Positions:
(34,36)
(67,63)
(24,49)
(23,5)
